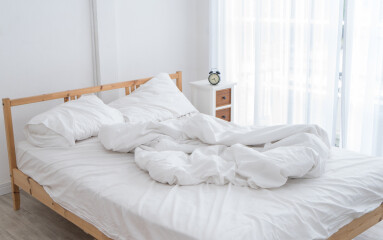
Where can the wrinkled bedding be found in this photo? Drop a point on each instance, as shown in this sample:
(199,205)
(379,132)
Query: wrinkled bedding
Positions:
(203,149)
(108,190)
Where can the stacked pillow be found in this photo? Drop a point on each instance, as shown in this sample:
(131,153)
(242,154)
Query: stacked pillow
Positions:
(69,122)
(157,100)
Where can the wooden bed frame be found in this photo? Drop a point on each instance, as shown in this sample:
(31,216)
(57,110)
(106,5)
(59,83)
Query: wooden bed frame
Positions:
(21,180)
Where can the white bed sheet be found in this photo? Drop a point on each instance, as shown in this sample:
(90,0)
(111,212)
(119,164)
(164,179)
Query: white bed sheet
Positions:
(108,190)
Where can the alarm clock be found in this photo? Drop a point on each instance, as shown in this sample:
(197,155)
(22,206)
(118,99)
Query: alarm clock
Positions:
(214,77)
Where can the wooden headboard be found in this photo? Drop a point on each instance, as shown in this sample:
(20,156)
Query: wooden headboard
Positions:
(129,86)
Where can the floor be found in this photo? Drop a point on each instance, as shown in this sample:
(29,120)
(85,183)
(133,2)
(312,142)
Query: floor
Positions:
(36,221)
(374,233)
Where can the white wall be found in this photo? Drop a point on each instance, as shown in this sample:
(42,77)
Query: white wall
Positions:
(163,36)
(46,46)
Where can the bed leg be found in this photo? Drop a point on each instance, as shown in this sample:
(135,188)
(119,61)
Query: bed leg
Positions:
(11,151)
(15,197)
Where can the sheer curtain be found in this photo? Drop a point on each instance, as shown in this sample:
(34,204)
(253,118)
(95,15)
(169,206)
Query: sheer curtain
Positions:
(362,103)
(283,54)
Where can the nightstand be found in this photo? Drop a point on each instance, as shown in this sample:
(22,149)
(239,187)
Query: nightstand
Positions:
(216,100)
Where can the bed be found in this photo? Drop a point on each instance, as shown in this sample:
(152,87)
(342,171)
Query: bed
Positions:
(108,196)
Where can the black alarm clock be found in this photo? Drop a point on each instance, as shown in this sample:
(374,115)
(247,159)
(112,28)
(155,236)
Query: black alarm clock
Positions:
(214,77)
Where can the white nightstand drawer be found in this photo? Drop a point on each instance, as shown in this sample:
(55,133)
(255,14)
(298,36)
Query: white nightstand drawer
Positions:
(223,97)
(224,114)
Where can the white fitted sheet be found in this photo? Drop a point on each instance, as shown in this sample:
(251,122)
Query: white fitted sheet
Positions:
(108,190)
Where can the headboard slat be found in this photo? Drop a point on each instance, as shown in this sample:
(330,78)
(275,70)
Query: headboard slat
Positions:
(112,86)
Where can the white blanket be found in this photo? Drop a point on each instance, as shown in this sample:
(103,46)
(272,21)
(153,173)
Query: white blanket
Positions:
(201,148)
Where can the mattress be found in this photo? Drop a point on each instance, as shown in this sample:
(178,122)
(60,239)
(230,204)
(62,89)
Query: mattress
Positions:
(108,190)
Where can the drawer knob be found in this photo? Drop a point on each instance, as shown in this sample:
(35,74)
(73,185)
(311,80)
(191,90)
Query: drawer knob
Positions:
(223,116)
(224,97)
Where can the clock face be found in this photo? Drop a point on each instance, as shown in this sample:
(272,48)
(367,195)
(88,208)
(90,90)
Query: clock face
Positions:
(214,78)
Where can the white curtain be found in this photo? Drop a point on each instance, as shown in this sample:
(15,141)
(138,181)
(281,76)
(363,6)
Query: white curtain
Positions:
(283,54)
(362,103)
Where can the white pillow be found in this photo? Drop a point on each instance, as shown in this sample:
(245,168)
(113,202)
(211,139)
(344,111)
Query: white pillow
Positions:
(156,100)
(71,121)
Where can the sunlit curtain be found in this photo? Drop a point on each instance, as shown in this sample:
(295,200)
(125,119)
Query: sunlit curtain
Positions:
(362,109)
(283,54)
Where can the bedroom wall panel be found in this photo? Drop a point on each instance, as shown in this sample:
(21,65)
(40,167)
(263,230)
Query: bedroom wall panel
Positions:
(157,36)
(45,46)
(104,19)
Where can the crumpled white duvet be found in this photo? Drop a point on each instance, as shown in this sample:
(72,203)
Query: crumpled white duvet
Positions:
(201,148)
